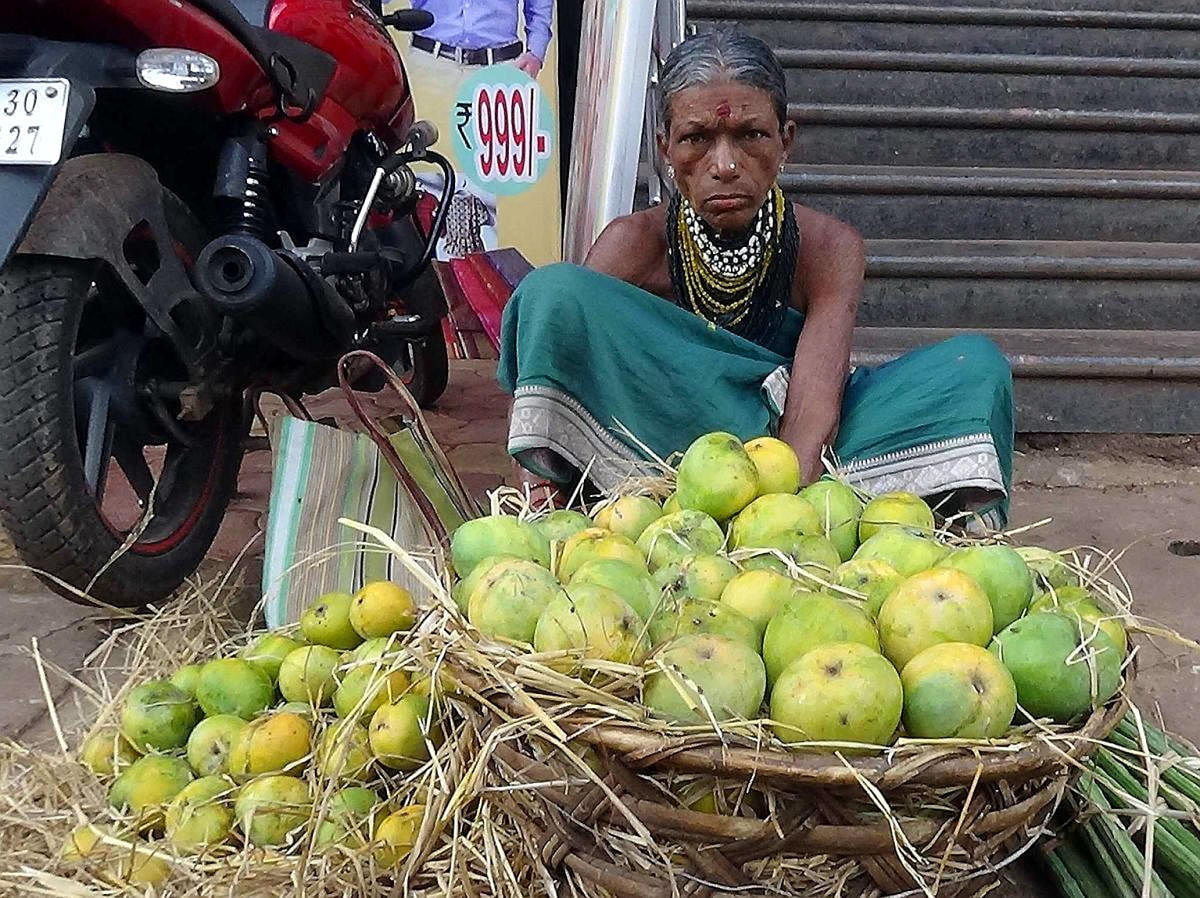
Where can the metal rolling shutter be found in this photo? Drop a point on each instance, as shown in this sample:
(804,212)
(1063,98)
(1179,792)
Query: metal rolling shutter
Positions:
(1031,170)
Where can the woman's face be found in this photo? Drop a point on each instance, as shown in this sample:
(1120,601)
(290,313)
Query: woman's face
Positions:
(726,148)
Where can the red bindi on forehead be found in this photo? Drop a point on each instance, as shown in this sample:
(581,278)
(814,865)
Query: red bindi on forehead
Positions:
(724,110)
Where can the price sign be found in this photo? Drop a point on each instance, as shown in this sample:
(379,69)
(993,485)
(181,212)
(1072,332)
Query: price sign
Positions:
(501,130)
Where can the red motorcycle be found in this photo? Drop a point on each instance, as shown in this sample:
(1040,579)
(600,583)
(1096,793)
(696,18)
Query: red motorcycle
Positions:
(202,200)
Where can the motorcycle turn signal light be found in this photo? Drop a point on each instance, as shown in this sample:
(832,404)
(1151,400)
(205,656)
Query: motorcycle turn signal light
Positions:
(177,71)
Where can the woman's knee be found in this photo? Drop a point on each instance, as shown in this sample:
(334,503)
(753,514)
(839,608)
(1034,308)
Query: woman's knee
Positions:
(978,351)
(557,279)
(559,287)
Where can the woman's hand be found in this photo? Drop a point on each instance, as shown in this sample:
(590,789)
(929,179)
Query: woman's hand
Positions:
(808,453)
(811,466)
(831,277)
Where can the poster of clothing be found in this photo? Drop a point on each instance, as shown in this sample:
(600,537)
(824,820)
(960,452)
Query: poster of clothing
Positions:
(486,74)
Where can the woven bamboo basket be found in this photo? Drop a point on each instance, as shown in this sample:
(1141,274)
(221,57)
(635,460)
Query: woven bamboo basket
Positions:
(934,819)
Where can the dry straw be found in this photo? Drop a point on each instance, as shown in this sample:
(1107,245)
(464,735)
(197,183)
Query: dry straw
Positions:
(552,779)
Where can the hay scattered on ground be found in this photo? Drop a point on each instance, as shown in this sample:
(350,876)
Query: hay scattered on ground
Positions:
(519,753)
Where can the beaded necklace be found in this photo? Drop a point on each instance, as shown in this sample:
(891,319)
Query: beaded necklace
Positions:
(742,284)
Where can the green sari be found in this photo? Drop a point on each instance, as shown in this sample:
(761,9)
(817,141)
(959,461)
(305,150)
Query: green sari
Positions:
(590,359)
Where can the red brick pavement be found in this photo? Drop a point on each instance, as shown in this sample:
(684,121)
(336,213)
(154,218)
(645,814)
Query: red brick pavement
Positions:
(470,422)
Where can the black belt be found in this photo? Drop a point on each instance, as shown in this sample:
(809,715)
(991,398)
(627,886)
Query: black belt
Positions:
(484,56)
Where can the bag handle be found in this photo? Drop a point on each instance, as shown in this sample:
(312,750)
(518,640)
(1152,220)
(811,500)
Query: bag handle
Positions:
(383,443)
(462,495)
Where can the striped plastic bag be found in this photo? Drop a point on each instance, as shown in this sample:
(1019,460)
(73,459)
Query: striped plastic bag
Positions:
(394,477)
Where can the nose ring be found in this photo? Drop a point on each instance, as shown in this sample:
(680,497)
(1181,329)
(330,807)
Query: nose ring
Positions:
(732,166)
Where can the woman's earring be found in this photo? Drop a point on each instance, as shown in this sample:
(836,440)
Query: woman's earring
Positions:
(781,168)
(671,172)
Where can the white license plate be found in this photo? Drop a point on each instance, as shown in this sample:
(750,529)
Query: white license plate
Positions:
(33,116)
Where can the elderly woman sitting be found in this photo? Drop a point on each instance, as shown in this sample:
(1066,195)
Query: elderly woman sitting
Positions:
(732,309)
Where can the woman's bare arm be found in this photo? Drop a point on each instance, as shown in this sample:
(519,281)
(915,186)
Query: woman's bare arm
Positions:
(830,280)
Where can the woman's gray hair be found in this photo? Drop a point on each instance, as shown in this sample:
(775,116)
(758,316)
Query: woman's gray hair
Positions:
(717,55)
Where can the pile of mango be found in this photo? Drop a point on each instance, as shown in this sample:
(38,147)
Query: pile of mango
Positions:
(841,619)
(288,735)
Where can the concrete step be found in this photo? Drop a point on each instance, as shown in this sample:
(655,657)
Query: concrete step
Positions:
(1034,259)
(1031,284)
(1078,381)
(884,133)
(944,202)
(1017,84)
(1026,167)
(1160,355)
(860,86)
(1150,14)
(1040,37)
(1110,78)
(891,136)
(898,180)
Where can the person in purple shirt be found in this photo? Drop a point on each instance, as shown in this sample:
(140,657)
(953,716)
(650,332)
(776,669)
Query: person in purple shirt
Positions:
(466,37)
(484,32)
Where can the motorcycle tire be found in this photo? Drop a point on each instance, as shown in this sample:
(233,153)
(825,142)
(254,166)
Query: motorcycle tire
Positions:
(423,366)
(430,371)
(55,521)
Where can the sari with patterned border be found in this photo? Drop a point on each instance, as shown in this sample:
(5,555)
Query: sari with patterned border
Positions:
(591,360)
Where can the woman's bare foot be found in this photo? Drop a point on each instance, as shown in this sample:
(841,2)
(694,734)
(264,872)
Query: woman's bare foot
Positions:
(968,511)
(542,493)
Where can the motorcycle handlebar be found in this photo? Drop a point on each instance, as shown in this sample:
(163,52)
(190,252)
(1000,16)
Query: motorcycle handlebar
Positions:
(422,136)
(396,160)
(409,20)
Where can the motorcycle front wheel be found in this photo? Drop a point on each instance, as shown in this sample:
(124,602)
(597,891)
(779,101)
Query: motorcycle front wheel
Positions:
(425,370)
(102,504)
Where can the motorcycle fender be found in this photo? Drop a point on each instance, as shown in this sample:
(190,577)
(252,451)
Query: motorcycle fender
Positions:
(88,67)
(22,187)
(95,203)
